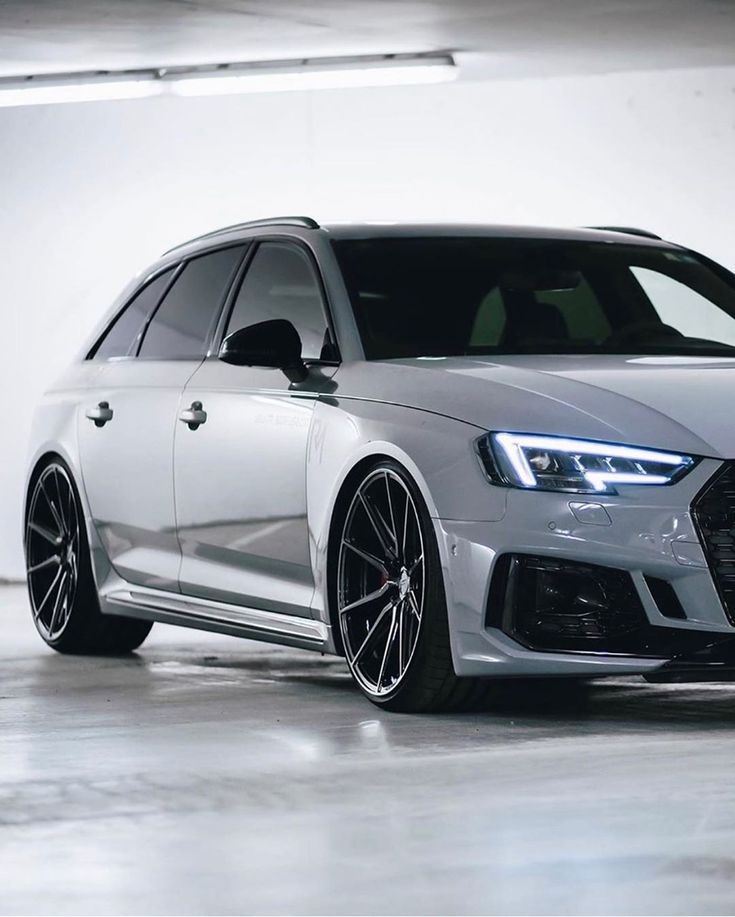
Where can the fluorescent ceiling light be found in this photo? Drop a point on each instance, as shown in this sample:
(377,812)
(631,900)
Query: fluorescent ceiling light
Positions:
(312,77)
(49,93)
(226,79)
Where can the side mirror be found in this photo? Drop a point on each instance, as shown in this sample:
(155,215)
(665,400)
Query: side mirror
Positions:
(275,343)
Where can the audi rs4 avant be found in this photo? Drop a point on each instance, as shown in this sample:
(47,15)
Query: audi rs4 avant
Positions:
(449,453)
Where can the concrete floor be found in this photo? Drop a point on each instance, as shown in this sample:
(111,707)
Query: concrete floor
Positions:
(210,775)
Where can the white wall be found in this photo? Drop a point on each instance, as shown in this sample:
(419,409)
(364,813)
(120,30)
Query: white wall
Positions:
(90,193)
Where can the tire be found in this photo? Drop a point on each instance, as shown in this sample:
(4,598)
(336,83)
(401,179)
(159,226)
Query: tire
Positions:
(388,590)
(63,595)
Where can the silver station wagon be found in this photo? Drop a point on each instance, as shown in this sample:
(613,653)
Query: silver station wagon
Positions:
(449,453)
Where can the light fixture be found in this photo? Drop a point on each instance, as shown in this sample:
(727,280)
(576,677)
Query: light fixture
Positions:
(52,91)
(226,79)
(575,465)
(327,73)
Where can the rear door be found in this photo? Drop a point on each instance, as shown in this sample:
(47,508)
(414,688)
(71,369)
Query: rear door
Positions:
(241,475)
(126,428)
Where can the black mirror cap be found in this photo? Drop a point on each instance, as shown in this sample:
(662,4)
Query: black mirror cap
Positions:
(275,343)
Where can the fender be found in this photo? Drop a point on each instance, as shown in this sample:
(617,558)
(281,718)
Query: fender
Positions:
(437,452)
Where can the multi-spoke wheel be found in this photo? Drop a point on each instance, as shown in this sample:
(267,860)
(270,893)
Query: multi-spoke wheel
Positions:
(52,548)
(381,581)
(61,587)
(390,596)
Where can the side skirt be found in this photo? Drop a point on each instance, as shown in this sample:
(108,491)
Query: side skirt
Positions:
(220,617)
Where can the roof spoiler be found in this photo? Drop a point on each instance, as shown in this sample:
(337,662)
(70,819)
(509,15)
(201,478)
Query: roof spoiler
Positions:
(628,231)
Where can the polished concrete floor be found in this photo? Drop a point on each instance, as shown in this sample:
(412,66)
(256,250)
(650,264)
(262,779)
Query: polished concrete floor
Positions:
(210,775)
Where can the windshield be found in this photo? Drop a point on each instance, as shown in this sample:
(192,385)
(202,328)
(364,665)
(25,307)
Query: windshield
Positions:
(449,296)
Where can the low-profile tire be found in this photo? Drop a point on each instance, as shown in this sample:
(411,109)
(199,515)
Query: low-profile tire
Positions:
(61,587)
(388,590)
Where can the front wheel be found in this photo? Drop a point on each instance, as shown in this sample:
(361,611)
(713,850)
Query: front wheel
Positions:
(61,586)
(390,598)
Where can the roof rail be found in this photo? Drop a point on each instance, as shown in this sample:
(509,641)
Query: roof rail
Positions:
(628,231)
(304,222)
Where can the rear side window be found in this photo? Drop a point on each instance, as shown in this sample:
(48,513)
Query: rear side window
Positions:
(181,326)
(281,283)
(122,337)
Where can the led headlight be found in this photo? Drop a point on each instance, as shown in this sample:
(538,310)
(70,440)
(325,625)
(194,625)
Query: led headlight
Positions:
(575,465)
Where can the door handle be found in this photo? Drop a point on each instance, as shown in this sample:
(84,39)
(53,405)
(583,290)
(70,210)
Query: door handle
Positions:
(194,416)
(100,414)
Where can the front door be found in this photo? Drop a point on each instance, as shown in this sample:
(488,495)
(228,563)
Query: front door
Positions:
(241,474)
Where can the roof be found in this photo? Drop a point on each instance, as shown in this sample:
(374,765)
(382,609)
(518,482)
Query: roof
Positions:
(397,229)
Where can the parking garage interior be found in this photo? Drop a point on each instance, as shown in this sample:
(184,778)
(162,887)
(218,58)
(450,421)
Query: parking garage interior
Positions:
(206,774)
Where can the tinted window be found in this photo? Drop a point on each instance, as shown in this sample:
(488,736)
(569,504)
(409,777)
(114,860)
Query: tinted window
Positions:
(452,296)
(683,308)
(281,283)
(581,311)
(180,328)
(121,338)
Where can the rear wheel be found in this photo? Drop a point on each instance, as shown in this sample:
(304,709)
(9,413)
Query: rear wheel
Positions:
(61,587)
(390,598)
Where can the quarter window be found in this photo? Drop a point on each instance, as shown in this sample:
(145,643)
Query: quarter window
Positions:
(281,283)
(180,328)
(122,337)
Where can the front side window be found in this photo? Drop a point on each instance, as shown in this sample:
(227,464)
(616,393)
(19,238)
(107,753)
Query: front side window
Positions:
(180,328)
(281,283)
(680,306)
(122,337)
(452,296)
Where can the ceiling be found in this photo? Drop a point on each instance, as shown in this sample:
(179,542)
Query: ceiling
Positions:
(503,38)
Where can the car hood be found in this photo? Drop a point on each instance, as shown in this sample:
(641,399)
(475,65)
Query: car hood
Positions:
(680,403)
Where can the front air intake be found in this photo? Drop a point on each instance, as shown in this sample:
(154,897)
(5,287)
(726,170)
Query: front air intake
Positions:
(560,604)
(665,597)
(551,604)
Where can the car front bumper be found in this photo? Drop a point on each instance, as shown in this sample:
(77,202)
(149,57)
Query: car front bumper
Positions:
(648,532)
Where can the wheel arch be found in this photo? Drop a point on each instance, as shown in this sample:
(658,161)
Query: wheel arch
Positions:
(45,454)
(436,453)
(40,461)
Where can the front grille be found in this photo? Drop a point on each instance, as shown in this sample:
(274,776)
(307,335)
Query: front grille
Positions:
(714,514)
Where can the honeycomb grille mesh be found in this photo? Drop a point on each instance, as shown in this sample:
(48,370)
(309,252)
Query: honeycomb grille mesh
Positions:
(714,514)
